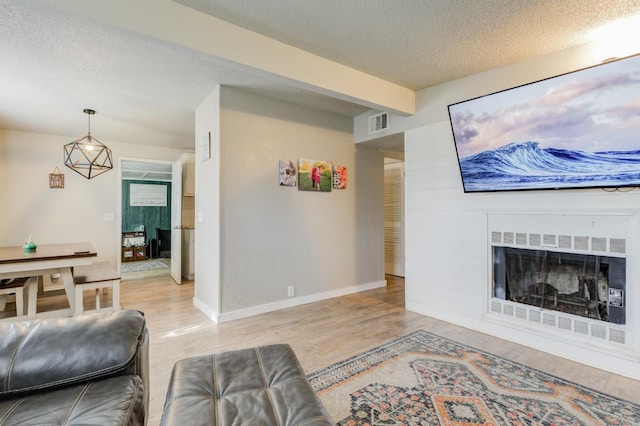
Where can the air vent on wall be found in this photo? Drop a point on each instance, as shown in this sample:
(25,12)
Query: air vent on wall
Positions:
(379,122)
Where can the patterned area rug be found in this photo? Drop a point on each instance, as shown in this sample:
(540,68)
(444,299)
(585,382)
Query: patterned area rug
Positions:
(145,265)
(424,379)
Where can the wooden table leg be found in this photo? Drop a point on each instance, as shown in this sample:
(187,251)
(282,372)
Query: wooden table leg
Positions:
(69,288)
(116,295)
(32,302)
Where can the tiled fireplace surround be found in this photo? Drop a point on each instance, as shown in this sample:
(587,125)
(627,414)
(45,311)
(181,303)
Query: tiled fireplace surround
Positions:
(602,234)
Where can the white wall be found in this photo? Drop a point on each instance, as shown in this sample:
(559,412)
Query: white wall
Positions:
(446,230)
(73,214)
(446,246)
(207,207)
(273,237)
(431,103)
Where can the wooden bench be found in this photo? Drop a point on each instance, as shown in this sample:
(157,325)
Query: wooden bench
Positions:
(18,288)
(96,276)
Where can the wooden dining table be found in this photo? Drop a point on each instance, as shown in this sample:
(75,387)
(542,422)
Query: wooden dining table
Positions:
(16,262)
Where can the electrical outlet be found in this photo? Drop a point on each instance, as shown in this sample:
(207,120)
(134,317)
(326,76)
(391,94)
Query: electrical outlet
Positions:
(290,291)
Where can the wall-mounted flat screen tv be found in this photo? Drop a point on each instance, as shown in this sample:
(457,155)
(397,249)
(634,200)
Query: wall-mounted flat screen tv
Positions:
(576,130)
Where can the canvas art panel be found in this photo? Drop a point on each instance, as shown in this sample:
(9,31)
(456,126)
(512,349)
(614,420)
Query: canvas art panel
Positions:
(287,173)
(314,175)
(339,177)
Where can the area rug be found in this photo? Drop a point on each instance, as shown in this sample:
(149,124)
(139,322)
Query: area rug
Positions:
(425,379)
(145,265)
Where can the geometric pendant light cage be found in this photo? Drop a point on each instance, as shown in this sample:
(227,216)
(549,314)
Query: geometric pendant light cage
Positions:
(88,156)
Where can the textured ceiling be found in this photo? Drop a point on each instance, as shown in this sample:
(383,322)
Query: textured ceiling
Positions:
(421,43)
(53,64)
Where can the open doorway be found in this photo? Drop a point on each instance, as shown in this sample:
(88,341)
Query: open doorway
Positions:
(146,218)
(392,146)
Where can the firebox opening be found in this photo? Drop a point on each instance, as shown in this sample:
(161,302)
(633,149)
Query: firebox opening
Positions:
(589,286)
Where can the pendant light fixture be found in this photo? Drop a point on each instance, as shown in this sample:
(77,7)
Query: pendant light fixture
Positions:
(88,156)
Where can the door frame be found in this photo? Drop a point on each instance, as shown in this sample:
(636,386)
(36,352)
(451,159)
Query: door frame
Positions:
(176,221)
(119,201)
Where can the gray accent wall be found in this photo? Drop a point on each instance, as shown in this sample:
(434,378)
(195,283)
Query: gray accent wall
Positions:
(273,237)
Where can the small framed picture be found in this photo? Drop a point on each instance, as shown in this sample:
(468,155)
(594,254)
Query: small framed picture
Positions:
(206,146)
(56,179)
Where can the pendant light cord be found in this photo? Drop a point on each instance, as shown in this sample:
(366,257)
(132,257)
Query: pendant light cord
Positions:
(89,113)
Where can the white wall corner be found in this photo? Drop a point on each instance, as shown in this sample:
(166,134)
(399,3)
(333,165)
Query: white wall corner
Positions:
(213,316)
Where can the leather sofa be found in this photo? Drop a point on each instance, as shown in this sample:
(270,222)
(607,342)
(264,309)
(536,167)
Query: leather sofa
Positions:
(86,370)
(256,386)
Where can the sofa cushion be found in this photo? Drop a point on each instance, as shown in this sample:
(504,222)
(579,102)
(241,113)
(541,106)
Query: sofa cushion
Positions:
(114,401)
(49,353)
(264,385)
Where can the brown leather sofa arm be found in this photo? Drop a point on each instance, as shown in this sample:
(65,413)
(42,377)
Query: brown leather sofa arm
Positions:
(91,365)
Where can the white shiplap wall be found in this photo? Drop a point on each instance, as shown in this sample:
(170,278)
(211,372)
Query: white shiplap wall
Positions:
(442,227)
(446,247)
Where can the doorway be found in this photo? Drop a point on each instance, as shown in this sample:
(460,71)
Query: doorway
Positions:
(392,147)
(146,217)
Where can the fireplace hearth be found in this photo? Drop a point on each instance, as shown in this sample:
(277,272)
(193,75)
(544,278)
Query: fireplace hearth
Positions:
(572,283)
(565,276)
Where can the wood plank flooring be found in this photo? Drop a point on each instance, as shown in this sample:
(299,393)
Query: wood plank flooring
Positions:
(321,333)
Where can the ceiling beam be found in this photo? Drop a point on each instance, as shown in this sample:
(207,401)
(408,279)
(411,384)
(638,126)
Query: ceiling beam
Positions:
(175,23)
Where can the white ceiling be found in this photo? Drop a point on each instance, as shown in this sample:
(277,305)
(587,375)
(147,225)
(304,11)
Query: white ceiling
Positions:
(421,43)
(54,63)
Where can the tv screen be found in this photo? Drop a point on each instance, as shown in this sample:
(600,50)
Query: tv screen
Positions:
(576,130)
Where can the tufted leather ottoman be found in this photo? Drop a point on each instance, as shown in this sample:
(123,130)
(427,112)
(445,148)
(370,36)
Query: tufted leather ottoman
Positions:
(258,386)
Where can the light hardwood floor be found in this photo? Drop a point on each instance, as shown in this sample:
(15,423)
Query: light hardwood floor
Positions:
(320,333)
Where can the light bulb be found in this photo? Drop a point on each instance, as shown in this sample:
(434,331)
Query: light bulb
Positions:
(618,39)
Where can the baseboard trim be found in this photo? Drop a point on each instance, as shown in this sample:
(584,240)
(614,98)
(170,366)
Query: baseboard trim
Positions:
(212,315)
(291,302)
(587,354)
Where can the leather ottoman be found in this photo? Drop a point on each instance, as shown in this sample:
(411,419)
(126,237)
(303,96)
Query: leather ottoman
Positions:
(257,386)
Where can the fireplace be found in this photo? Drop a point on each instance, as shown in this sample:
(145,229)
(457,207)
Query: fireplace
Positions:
(585,285)
(563,274)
